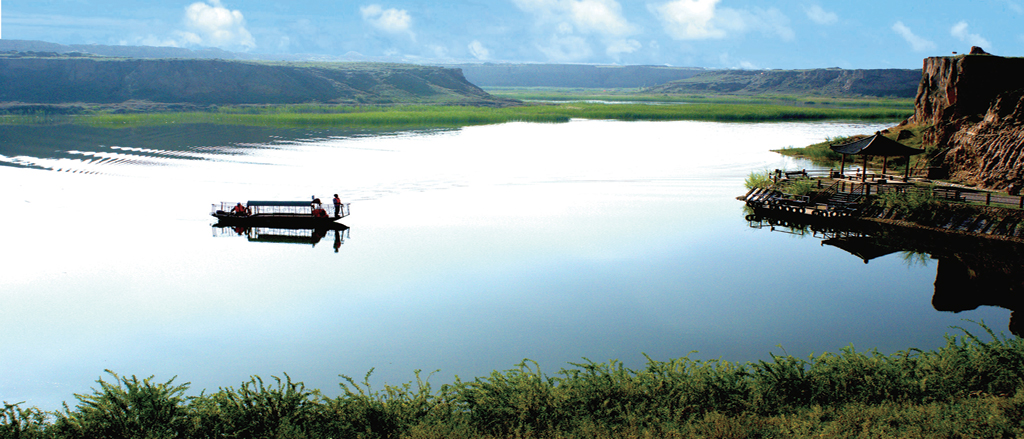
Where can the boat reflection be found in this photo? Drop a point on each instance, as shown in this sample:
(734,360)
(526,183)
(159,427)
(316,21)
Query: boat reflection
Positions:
(970,271)
(286,235)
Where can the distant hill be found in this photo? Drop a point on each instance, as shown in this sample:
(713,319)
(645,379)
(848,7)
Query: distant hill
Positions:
(572,75)
(50,78)
(900,83)
(117,51)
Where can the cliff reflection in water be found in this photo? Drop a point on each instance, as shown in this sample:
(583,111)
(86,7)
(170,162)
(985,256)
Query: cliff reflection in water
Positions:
(287,235)
(970,271)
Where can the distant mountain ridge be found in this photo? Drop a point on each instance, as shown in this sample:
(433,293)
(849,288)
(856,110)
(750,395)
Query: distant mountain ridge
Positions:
(572,75)
(55,79)
(900,83)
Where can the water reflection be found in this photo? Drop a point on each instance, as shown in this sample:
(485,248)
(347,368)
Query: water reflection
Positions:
(287,235)
(84,149)
(970,272)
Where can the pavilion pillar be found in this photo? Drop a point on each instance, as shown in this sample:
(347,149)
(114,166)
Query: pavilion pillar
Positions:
(864,170)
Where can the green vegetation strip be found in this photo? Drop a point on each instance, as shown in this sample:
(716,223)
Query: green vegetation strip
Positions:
(967,388)
(443,116)
(639,95)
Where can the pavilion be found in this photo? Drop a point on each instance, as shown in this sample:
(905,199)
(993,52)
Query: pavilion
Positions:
(876,145)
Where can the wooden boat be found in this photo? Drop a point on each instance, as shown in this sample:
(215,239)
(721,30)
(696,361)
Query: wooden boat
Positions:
(278,213)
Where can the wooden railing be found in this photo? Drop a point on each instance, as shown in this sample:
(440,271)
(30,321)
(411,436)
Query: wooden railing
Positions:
(876,184)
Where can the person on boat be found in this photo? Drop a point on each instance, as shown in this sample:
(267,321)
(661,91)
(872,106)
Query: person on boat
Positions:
(239,210)
(337,206)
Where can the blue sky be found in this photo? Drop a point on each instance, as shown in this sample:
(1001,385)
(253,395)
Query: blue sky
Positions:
(700,33)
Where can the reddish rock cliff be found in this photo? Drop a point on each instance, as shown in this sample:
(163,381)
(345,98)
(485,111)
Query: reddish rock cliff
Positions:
(975,106)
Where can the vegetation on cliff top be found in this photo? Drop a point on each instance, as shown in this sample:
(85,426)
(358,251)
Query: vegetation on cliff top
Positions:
(969,387)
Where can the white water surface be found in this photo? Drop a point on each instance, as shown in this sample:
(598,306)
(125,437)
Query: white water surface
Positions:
(469,250)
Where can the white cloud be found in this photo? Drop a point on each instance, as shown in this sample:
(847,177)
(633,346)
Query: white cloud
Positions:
(602,17)
(390,20)
(959,30)
(702,20)
(215,25)
(574,26)
(690,19)
(727,60)
(619,47)
(566,48)
(477,49)
(821,16)
(917,43)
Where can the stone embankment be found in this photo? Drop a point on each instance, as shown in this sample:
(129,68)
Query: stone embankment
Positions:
(991,222)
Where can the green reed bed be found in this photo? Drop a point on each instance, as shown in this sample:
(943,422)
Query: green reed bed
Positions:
(313,116)
(431,116)
(639,95)
(968,388)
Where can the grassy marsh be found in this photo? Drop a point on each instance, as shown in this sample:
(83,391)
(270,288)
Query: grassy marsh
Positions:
(970,387)
(639,95)
(446,116)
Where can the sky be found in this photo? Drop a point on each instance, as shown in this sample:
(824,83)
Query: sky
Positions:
(731,34)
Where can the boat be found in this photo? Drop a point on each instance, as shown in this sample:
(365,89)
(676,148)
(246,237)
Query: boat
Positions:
(278,213)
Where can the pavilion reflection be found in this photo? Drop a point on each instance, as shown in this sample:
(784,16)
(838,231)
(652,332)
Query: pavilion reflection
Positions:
(287,235)
(970,271)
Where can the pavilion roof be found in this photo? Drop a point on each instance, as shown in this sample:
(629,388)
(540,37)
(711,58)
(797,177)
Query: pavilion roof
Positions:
(876,145)
(861,247)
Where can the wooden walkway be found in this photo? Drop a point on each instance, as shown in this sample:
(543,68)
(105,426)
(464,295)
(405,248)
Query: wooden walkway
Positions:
(823,207)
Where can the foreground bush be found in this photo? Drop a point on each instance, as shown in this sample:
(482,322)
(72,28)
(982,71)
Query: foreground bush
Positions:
(967,388)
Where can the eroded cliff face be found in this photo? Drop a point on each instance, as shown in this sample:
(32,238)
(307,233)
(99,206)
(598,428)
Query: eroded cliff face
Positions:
(976,108)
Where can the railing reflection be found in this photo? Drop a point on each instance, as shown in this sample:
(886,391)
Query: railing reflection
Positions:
(287,235)
(970,271)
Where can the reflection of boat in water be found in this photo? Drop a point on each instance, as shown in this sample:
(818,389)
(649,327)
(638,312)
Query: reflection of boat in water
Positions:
(290,214)
(285,235)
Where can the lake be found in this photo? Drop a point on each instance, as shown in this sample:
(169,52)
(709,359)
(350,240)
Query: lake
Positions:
(468,251)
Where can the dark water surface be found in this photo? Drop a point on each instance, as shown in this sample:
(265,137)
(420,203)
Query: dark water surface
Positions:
(468,251)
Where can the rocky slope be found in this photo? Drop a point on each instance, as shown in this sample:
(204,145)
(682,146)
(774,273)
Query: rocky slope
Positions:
(975,106)
(826,82)
(61,79)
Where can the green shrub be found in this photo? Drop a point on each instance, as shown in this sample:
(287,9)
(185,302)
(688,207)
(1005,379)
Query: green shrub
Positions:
(800,186)
(759,179)
(970,387)
(19,423)
(392,412)
(255,410)
(127,408)
(913,205)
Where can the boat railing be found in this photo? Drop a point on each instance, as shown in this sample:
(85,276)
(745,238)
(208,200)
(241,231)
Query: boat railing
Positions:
(280,208)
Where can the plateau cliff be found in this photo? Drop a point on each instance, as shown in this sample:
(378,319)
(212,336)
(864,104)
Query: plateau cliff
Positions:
(825,82)
(572,75)
(54,79)
(974,105)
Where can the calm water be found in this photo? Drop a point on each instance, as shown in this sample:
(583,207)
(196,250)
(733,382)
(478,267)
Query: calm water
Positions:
(468,251)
